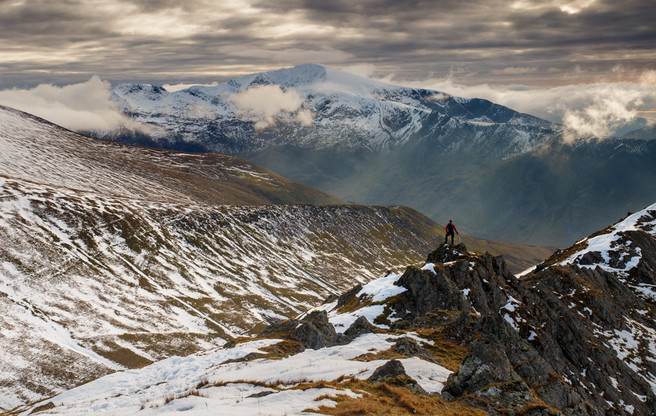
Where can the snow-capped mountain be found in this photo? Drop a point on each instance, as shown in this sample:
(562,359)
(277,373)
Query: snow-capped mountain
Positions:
(575,335)
(114,256)
(317,107)
(508,176)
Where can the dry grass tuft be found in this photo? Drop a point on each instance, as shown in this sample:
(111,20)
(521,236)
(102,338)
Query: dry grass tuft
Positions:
(384,399)
(282,349)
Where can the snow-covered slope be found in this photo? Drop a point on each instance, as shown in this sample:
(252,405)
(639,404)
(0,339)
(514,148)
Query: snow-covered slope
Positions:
(617,249)
(114,256)
(317,107)
(459,335)
(227,381)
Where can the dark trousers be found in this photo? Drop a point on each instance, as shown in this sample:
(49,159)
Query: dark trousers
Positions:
(446,237)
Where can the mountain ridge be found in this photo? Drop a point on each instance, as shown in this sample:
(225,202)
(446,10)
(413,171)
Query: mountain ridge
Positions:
(388,115)
(458,335)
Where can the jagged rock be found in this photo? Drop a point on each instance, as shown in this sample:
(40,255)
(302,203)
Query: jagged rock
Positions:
(528,364)
(315,331)
(390,369)
(486,281)
(486,363)
(487,374)
(462,328)
(427,291)
(445,253)
(393,372)
(346,297)
(471,283)
(359,327)
(283,327)
(572,340)
(411,348)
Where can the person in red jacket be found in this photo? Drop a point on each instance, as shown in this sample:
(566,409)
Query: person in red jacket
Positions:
(450,229)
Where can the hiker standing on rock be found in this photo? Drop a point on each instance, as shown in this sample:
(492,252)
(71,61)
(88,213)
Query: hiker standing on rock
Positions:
(450,230)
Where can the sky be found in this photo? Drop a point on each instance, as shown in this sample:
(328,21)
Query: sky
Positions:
(494,47)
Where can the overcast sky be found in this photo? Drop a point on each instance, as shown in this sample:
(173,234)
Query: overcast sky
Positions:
(500,44)
(531,42)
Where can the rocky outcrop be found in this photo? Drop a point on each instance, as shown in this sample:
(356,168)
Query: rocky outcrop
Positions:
(458,281)
(361,326)
(487,379)
(348,296)
(315,331)
(574,337)
(390,369)
(393,372)
(564,338)
(411,348)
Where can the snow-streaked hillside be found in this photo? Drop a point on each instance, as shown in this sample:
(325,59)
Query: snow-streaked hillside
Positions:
(34,150)
(317,107)
(459,335)
(615,249)
(113,256)
(226,381)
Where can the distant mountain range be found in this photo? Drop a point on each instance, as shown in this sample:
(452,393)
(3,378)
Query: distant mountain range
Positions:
(498,173)
(645,133)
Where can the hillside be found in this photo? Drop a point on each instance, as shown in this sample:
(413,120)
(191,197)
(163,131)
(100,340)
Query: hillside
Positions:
(457,336)
(43,153)
(116,256)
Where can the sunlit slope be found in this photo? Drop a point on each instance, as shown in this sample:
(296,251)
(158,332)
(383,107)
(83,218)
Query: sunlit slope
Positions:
(37,151)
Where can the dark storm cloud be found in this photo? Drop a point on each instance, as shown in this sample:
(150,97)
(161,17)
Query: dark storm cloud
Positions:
(201,40)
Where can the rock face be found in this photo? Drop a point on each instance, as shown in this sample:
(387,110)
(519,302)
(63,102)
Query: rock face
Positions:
(575,336)
(392,372)
(570,338)
(411,348)
(315,331)
(390,369)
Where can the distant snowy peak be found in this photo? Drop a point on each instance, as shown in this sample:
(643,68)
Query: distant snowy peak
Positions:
(286,77)
(314,106)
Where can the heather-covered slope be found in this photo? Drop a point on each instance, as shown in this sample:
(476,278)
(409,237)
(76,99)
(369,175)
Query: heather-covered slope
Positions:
(34,150)
(90,284)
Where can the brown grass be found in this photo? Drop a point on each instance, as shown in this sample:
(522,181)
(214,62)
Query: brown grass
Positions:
(282,349)
(449,353)
(384,399)
(122,355)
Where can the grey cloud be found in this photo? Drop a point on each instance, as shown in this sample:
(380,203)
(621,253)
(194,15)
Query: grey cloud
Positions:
(416,38)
